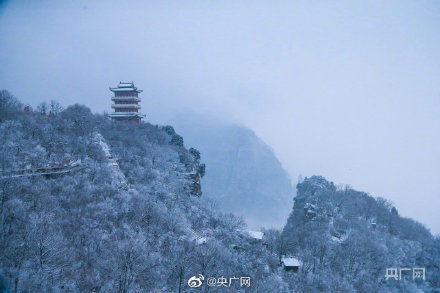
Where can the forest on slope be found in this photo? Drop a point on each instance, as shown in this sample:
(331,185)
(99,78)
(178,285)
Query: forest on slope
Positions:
(346,239)
(80,232)
(84,231)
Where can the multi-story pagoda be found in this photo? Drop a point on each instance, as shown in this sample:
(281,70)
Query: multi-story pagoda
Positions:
(126,103)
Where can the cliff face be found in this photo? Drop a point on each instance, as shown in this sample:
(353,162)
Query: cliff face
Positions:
(147,229)
(347,239)
(243,176)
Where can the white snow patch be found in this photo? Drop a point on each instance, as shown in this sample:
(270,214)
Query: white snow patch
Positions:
(290,262)
(256,234)
(118,177)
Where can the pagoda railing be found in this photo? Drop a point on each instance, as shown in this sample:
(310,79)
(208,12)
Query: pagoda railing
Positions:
(126,106)
(133,98)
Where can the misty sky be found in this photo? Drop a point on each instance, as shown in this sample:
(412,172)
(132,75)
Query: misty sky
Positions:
(344,89)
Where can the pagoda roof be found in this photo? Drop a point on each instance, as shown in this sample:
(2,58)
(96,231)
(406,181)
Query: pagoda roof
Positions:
(125,87)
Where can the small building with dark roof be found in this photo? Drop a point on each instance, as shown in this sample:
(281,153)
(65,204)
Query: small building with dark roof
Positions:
(290,264)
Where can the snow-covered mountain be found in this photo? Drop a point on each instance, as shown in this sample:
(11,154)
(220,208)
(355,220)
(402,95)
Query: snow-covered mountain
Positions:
(130,218)
(243,176)
(346,240)
(89,205)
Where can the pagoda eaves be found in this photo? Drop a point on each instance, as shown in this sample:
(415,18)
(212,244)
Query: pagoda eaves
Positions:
(126,103)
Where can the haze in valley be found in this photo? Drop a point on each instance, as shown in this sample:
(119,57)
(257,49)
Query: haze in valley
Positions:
(347,90)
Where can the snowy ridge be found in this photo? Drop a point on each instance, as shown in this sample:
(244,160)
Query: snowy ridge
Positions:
(84,233)
(118,178)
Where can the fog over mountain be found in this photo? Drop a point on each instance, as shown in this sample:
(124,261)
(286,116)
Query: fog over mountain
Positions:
(346,93)
(346,89)
(243,176)
(125,216)
(93,205)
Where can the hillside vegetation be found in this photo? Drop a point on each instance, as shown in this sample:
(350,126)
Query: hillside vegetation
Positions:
(346,240)
(125,212)
(80,232)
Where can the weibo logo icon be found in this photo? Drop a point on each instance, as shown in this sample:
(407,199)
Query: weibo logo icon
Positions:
(195,282)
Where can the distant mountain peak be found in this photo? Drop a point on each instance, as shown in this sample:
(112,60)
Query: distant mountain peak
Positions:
(243,175)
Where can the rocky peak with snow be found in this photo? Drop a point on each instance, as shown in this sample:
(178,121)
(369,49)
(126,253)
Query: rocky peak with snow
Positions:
(346,239)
